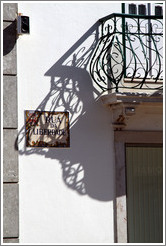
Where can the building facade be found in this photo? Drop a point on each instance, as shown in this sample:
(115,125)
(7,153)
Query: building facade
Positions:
(90,123)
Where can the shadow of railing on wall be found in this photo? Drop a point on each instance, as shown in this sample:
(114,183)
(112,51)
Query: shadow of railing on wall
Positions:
(86,165)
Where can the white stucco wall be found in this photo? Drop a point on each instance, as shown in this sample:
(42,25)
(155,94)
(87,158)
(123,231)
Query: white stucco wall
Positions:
(54,209)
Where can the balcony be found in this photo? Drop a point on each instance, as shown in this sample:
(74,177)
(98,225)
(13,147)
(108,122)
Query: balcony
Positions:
(129,54)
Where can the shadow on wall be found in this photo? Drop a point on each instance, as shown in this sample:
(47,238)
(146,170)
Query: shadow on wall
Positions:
(9,37)
(85,165)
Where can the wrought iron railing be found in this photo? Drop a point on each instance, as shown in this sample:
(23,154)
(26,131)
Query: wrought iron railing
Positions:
(129,53)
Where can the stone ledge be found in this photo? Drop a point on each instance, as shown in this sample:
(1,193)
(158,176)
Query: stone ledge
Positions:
(113,98)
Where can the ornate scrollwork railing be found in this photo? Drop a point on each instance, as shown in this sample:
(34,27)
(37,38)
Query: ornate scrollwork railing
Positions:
(129,53)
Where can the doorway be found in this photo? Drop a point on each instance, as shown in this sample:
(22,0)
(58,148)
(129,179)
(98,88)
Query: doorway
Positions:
(144,193)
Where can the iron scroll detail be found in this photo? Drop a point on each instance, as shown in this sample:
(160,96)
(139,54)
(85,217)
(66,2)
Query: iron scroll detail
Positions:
(129,53)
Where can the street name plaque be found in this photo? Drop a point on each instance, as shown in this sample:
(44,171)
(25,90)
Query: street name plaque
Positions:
(47,129)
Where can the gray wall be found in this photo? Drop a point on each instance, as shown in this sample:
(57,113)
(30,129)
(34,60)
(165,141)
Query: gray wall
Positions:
(10,154)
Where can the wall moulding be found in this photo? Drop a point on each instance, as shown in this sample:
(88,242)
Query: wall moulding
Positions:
(125,105)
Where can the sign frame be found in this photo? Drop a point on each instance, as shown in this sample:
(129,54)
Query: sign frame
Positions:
(47,129)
